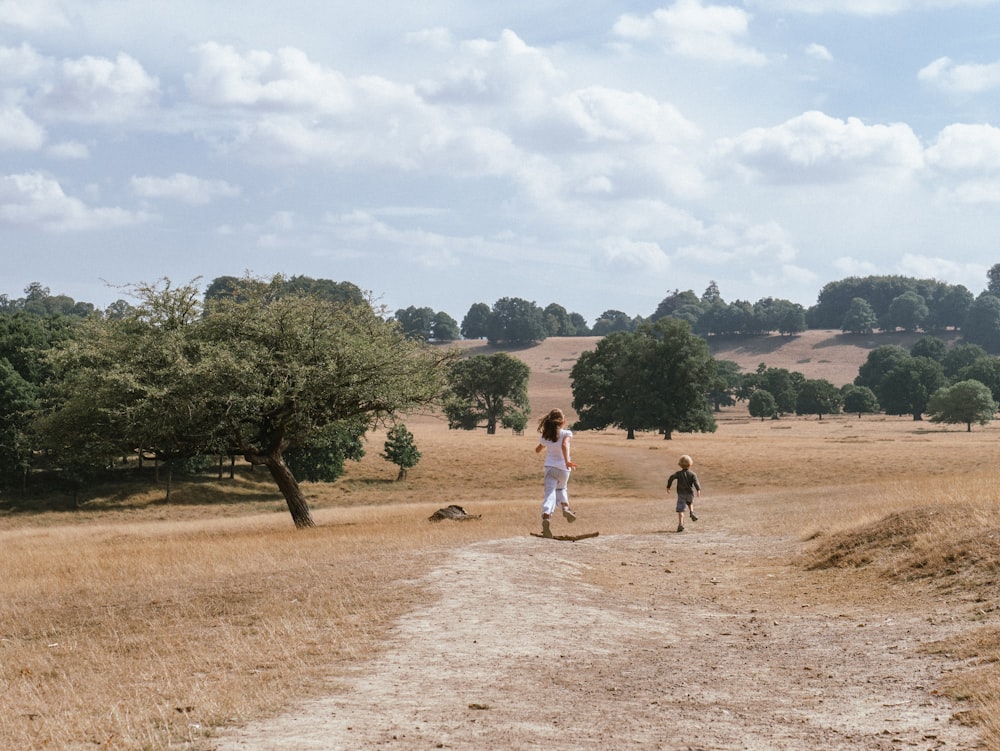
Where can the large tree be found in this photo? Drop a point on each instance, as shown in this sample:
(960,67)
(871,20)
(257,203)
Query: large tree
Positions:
(964,402)
(257,374)
(817,396)
(488,388)
(656,377)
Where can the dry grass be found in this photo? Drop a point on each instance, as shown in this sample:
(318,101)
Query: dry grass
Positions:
(134,624)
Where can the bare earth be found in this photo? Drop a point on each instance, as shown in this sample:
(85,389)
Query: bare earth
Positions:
(709,640)
(700,640)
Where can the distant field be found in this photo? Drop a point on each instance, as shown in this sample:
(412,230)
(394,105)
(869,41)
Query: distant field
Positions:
(136,624)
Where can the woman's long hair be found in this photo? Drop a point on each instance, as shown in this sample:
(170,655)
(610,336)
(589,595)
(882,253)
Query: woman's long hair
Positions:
(549,425)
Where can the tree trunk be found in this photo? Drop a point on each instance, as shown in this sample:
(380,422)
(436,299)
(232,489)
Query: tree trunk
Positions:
(401,475)
(290,489)
(630,434)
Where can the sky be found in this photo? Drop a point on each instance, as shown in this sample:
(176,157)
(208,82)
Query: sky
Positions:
(597,155)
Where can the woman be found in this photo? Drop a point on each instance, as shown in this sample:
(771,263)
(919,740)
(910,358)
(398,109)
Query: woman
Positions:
(555,442)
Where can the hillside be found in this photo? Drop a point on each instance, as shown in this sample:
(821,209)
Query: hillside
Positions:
(818,353)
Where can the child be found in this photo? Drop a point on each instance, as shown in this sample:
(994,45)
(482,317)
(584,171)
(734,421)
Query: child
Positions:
(687,488)
(555,443)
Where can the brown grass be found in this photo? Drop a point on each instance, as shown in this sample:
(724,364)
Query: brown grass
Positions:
(133,624)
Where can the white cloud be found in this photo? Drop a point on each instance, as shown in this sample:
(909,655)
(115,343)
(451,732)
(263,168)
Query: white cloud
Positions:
(690,29)
(964,163)
(18,132)
(32,15)
(35,200)
(815,147)
(22,64)
(819,52)
(437,39)
(622,254)
(604,114)
(68,150)
(99,90)
(962,79)
(184,188)
(966,148)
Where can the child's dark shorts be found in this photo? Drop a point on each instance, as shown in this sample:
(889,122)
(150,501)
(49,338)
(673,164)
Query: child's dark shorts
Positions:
(683,499)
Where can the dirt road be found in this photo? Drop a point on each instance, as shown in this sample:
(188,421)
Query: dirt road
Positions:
(698,641)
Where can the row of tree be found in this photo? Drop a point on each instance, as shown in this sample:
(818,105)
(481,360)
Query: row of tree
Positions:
(290,380)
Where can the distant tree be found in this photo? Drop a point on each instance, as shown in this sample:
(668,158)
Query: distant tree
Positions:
(986,370)
(817,396)
(118,309)
(960,356)
(476,324)
(324,457)
(782,384)
(964,402)
(515,321)
(711,295)
(558,322)
(982,324)
(722,392)
(675,302)
(994,280)
(401,449)
(908,386)
(860,318)
(17,401)
(416,323)
(654,378)
(761,404)
(611,321)
(908,311)
(879,362)
(929,346)
(259,375)
(579,324)
(444,328)
(609,387)
(860,400)
(487,388)
(951,310)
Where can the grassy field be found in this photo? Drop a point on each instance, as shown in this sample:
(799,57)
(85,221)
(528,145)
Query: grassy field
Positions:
(136,624)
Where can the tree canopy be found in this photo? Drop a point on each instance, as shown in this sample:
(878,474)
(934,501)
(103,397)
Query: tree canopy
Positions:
(256,374)
(490,388)
(655,378)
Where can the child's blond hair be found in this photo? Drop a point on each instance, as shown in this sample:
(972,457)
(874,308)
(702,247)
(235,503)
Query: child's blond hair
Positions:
(685,462)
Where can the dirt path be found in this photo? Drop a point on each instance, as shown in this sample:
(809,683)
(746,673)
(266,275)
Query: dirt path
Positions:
(694,641)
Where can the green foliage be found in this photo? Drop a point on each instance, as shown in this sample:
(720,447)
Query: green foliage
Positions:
(860,400)
(908,311)
(655,378)
(860,318)
(762,404)
(17,399)
(964,402)
(444,328)
(834,300)
(817,396)
(328,450)
(782,384)
(982,324)
(489,388)
(476,324)
(515,322)
(908,386)
(401,449)
(259,373)
(930,346)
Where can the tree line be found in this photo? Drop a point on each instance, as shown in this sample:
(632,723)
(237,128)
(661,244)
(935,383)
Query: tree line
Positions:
(291,373)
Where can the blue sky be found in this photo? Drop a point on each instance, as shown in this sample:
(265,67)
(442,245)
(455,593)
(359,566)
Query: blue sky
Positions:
(594,154)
